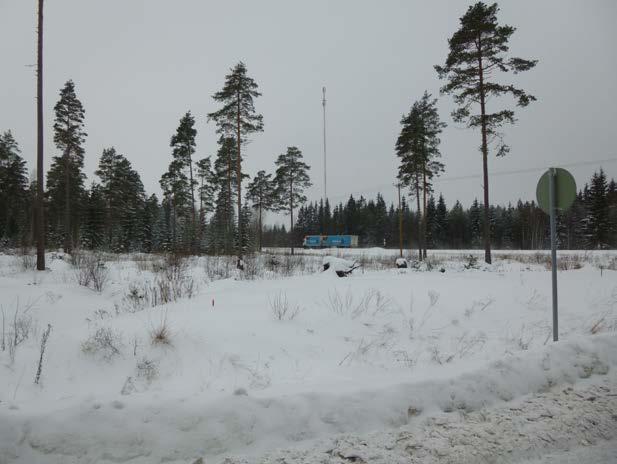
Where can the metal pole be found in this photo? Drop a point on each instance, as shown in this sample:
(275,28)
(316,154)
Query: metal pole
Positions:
(325,183)
(551,199)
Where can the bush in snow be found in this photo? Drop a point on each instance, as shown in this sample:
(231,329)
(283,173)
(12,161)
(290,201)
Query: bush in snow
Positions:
(26,261)
(161,335)
(16,328)
(147,370)
(105,343)
(282,309)
(371,303)
(90,270)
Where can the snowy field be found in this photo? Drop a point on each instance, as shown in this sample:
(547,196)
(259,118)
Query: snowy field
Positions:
(159,360)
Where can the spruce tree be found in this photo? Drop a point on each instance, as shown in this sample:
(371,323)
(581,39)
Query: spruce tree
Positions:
(457,227)
(124,197)
(225,174)
(238,118)
(441,223)
(291,180)
(13,191)
(431,223)
(478,52)
(151,225)
(65,179)
(206,189)
(475,224)
(94,233)
(260,192)
(596,224)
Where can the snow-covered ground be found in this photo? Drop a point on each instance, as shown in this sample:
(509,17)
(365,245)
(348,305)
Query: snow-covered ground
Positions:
(307,363)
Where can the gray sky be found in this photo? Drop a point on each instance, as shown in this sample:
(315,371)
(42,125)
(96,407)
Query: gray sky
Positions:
(139,65)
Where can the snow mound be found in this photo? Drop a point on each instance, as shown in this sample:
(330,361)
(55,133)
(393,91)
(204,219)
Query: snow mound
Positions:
(334,264)
(184,428)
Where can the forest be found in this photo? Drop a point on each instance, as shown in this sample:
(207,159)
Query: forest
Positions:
(212,206)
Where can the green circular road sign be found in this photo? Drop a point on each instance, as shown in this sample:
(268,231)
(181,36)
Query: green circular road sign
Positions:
(565,189)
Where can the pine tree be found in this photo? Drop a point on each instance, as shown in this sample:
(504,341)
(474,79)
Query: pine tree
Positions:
(291,180)
(418,149)
(477,52)
(178,187)
(261,193)
(13,191)
(237,118)
(65,179)
(183,145)
(39,218)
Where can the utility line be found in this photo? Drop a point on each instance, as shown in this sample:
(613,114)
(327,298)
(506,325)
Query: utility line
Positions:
(492,174)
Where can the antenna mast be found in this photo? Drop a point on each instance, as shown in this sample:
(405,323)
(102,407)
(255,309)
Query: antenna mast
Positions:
(325,184)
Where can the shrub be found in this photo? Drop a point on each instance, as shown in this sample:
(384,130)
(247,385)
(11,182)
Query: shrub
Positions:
(282,309)
(161,335)
(16,329)
(147,370)
(90,270)
(105,343)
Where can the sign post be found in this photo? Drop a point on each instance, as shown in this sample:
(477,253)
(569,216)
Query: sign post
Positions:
(551,196)
(556,190)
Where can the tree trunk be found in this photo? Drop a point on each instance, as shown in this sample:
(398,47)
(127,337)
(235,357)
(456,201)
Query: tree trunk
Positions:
(260,224)
(239,180)
(400,223)
(194,231)
(419,217)
(67,200)
(291,212)
(424,210)
(40,219)
(229,201)
(487,236)
(202,215)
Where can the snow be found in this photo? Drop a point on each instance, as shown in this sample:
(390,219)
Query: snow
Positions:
(374,353)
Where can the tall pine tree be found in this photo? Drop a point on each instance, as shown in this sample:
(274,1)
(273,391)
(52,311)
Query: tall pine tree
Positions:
(238,118)
(477,54)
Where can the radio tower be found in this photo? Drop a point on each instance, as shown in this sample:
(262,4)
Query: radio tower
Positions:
(325,184)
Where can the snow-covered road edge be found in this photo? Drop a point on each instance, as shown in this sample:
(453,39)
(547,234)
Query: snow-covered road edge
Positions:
(565,425)
(110,431)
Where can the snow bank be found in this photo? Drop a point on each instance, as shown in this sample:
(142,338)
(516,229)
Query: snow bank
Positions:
(168,429)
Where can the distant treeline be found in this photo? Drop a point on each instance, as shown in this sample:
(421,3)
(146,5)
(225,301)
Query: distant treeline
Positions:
(590,223)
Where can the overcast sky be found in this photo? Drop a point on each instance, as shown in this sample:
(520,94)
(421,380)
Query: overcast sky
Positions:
(139,65)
